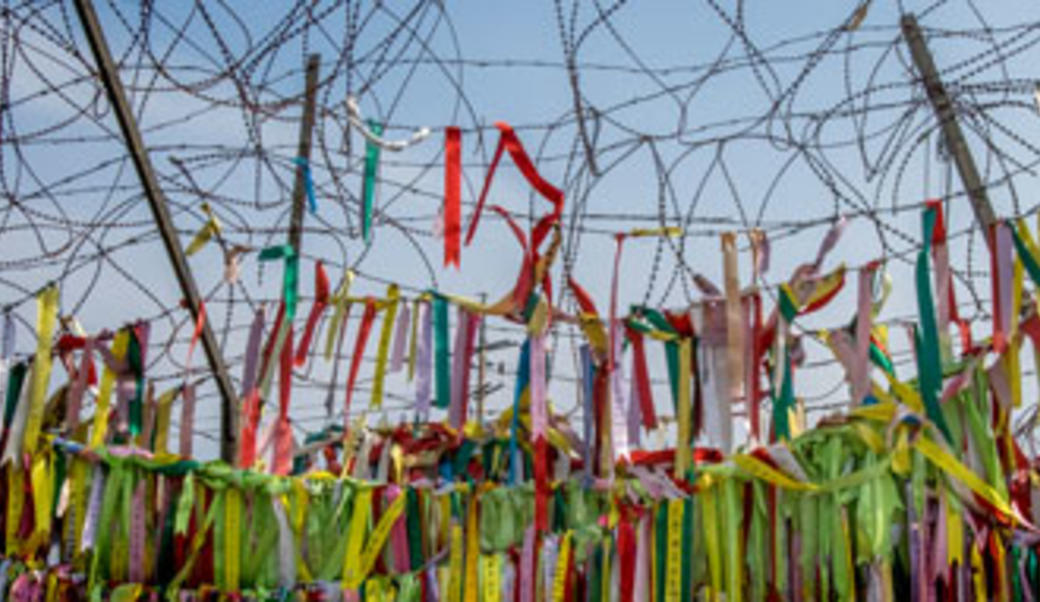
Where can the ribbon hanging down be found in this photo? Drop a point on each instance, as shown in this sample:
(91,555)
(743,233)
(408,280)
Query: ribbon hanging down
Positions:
(308,182)
(452,196)
(368,190)
(321,301)
(46,316)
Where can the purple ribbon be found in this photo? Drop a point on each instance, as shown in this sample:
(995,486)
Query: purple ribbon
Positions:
(400,338)
(423,365)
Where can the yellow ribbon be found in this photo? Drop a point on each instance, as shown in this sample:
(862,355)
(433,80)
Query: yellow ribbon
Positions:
(978,574)
(108,379)
(491,570)
(667,231)
(205,233)
(455,564)
(393,295)
(559,589)
(46,314)
(342,304)
(162,420)
(674,568)
(953,467)
(15,506)
(42,476)
(378,538)
(232,538)
(709,506)
(761,470)
(472,551)
(356,537)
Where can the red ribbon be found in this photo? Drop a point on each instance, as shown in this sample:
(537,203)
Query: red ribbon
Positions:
(642,376)
(359,349)
(283,432)
(507,140)
(452,195)
(247,438)
(626,549)
(321,301)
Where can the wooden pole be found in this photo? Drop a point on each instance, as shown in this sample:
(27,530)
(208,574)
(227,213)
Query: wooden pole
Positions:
(109,76)
(304,152)
(952,133)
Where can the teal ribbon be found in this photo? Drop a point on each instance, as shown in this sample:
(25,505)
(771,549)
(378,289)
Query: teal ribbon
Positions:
(308,183)
(15,380)
(1028,260)
(291,276)
(929,365)
(441,352)
(369,190)
(133,359)
(783,402)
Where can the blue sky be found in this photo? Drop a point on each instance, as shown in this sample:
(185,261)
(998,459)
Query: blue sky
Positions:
(512,72)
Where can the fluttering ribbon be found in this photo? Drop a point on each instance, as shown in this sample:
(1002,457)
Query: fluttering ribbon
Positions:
(508,141)
(208,230)
(359,349)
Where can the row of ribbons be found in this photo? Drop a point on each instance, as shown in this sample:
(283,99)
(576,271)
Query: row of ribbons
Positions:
(874,505)
(918,491)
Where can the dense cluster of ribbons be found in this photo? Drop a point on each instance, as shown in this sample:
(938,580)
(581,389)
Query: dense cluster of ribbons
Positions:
(918,491)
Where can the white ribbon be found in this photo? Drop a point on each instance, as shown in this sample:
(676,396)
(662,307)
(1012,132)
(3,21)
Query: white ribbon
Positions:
(354,116)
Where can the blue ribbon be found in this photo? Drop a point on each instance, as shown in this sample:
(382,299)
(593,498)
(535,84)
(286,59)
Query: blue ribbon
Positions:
(523,376)
(308,182)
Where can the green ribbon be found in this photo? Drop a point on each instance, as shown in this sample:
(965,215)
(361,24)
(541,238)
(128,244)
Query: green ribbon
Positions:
(441,351)
(369,190)
(134,362)
(1028,260)
(783,402)
(880,359)
(929,364)
(15,380)
(291,277)
(415,554)
(661,546)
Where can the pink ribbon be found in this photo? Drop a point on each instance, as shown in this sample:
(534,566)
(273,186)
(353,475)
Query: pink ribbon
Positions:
(527,576)
(399,533)
(79,386)
(187,419)
(461,367)
(138,532)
